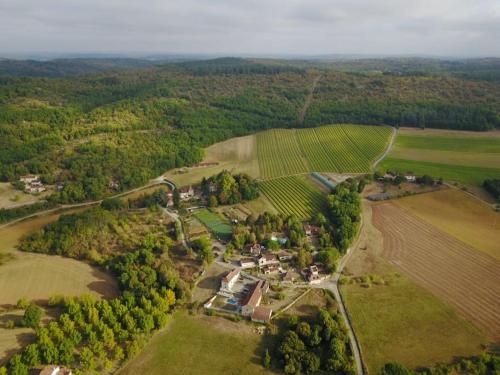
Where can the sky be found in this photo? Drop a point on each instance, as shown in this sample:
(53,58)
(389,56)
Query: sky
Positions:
(465,28)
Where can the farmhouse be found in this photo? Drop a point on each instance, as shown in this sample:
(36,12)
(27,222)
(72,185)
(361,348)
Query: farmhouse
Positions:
(29,178)
(55,370)
(266,259)
(229,280)
(311,230)
(410,177)
(186,192)
(254,297)
(247,263)
(262,314)
(312,275)
(254,249)
(270,269)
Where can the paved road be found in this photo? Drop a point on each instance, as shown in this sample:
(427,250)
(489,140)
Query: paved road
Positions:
(332,285)
(175,217)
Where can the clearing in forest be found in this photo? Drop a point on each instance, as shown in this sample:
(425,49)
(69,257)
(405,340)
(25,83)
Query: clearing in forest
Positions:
(333,148)
(467,279)
(294,195)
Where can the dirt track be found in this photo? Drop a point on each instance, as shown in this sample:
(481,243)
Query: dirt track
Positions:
(453,271)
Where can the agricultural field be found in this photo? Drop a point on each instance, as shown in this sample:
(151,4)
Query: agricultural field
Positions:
(235,155)
(216,223)
(218,345)
(461,216)
(396,319)
(458,274)
(464,157)
(333,148)
(294,195)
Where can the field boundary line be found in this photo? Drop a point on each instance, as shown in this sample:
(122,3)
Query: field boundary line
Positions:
(387,150)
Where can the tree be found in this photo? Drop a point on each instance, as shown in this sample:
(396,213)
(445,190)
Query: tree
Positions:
(32,316)
(394,368)
(17,367)
(267,359)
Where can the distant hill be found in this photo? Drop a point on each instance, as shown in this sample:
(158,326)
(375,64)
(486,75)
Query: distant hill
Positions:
(68,67)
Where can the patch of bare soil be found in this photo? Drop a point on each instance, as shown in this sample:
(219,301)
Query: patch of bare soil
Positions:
(453,271)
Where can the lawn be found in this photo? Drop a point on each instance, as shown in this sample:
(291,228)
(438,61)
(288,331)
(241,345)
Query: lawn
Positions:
(216,223)
(463,157)
(201,345)
(459,215)
(403,322)
(294,195)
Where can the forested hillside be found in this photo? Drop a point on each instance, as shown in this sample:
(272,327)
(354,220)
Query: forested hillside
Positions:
(106,132)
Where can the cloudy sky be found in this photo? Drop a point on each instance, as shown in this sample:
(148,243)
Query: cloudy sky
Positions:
(433,27)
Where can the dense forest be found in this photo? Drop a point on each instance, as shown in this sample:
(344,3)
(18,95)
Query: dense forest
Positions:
(101,133)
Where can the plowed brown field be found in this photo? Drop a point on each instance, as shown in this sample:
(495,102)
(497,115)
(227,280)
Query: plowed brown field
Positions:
(452,270)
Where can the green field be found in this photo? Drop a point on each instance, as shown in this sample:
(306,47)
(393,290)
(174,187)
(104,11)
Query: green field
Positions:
(294,195)
(462,157)
(201,345)
(217,224)
(333,148)
(403,322)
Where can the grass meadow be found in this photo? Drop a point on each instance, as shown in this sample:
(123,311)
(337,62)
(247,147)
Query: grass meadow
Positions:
(464,157)
(201,345)
(216,223)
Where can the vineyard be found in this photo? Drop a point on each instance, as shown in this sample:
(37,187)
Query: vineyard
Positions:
(293,195)
(333,148)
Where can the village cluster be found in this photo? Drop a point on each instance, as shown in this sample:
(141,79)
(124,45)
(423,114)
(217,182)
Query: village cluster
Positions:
(32,184)
(242,289)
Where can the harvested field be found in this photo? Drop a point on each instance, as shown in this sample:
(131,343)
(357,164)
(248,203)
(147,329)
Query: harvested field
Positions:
(452,270)
(460,215)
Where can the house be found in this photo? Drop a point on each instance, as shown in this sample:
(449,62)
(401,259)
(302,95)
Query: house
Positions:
(55,370)
(388,176)
(254,298)
(29,178)
(114,185)
(247,263)
(311,230)
(262,314)
(34,189)
(266,259)
(270,269)
(254,249)
(283,256)
(410,177)
(229,280)
(312,275)
(186,192)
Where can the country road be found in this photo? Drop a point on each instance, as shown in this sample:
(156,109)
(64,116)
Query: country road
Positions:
(387,150)
(332,285)
(155,182)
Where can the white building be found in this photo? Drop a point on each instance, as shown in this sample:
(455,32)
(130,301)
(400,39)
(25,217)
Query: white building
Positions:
(229,280)
(266,259)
